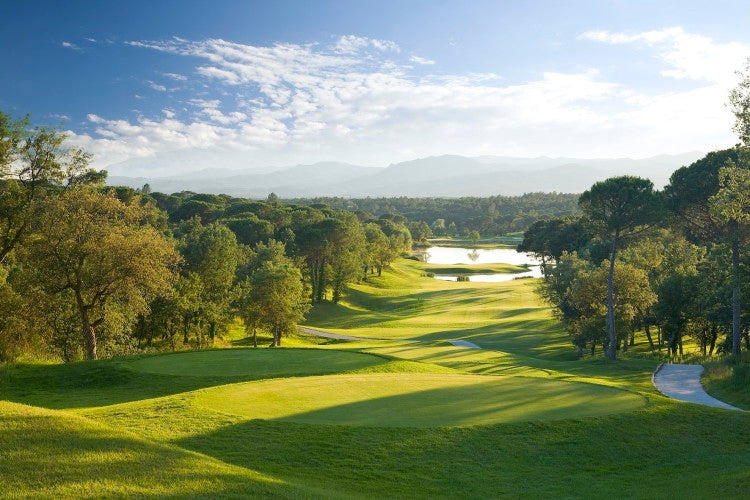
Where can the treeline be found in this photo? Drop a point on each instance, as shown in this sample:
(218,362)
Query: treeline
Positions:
(661,264)
(491,216)
(674,260)
(91,271)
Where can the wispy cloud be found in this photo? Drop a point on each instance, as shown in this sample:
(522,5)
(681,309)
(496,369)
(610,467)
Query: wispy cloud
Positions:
(351,44)
(70,45)
(156,86)
(361,101)
(175,76)
(421,60)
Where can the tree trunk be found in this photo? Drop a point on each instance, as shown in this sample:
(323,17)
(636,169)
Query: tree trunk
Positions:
(736,346)
(658,333)
(255,338)
(714,336)
(611,351)
(648,336)
(89,334)
(593,349)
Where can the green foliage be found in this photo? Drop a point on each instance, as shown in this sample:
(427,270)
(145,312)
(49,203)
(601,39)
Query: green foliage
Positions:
(494,215)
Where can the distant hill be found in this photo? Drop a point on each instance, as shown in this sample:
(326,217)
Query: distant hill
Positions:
(447,176)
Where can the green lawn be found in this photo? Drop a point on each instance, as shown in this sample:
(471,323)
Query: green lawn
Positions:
(371,418)
(471,268)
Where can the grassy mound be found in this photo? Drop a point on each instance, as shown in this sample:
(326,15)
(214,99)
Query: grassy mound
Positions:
(51,454)
(108,382)
(260,363)
(416,400)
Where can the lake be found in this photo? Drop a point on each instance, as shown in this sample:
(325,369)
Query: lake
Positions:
(457,255)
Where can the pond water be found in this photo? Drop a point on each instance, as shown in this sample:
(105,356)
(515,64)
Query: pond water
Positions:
(457,255)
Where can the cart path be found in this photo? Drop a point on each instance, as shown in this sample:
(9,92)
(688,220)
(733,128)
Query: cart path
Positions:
(683,382)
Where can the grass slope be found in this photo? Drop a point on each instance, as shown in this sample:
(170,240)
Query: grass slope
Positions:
(729,380)
(400,305)
(51,454)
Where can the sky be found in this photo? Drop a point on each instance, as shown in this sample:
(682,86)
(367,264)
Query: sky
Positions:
(165,87)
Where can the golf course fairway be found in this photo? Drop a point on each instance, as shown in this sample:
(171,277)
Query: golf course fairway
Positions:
(416,400)
(327,418)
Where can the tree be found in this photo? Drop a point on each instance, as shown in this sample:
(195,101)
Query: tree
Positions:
(675,307)
(94,249)
(33,163)
(347,249)
(473,235)
(588,293)
(212,253)
(277,298)
(731,205)
(708,200)
(739,103)
(617,209)
(438,227)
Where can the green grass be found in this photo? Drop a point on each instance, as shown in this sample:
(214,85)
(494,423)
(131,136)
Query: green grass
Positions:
(254,363)
(728,379)
(506,316)
(371,419)
(51,454)
(411,400)
(471,268)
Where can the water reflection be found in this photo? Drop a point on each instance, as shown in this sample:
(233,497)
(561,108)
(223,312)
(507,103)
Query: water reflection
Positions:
(458,255)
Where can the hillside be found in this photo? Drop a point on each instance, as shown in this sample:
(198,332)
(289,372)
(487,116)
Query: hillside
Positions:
(447,176)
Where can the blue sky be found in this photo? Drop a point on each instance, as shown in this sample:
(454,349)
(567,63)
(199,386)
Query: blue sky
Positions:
(160,87)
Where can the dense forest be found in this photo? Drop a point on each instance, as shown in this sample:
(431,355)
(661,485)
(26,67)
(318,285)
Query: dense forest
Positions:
(491,216)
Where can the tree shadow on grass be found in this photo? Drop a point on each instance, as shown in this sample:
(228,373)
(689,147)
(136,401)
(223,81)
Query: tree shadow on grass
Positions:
(100,383)
(546,458)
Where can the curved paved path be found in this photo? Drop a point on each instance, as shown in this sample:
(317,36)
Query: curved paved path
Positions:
(683,382)
(339,336)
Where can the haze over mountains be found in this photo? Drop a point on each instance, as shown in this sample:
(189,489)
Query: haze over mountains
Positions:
(442,176)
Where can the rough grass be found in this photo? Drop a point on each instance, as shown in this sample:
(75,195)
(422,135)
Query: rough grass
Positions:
(728,379)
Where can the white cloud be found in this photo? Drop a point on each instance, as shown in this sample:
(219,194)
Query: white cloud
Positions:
(421,60)
(687,55)
(156,86)
(175,76)
(70,45)
(351,44)
(290,103)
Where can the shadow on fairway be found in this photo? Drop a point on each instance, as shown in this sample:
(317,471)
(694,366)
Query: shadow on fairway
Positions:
(100,383)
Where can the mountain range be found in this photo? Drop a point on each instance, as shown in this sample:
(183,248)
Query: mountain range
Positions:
(440,176)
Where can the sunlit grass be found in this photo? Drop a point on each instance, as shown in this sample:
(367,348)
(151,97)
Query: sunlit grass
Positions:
(392,418)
